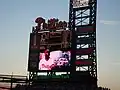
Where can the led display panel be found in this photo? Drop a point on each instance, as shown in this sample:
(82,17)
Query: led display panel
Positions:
(49,51)
(54,60)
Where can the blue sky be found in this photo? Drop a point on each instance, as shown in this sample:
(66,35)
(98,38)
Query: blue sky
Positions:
(17,17)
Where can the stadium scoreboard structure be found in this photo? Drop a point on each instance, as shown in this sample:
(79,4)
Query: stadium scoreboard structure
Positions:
(58,46)
(57,42)
(51,38)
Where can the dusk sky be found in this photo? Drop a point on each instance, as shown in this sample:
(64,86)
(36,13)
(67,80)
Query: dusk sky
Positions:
(17,18)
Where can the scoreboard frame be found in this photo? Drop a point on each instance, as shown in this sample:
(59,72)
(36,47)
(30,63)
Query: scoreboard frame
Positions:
(41,40)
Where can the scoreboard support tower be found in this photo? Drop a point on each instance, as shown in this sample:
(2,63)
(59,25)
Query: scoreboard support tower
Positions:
(82,23)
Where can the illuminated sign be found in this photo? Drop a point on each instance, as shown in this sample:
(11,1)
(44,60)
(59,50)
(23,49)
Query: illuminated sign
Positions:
(54,60)
(85,40)
(51,24)
(84,51)
(83,62)
(85,29)
(80,3)
(53,76)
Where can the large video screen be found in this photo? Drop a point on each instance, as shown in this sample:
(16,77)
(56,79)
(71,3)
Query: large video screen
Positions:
(54,60)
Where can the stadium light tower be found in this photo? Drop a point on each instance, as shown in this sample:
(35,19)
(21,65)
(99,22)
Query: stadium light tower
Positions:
(82,23)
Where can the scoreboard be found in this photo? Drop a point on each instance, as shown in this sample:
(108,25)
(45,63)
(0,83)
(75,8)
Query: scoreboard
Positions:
(57,41)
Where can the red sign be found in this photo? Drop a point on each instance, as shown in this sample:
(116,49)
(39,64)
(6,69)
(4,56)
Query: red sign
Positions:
(85,51)
(83,63)
(85,29)
(51,24)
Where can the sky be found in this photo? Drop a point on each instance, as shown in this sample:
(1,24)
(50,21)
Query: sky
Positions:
(17,18)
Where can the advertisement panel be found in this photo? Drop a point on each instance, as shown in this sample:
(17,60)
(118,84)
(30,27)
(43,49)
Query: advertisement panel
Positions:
(85,40)
(85,30)
(84,51)
(80,3)
(83,62)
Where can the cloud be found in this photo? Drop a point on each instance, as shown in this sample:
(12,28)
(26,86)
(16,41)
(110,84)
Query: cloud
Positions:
(107,22)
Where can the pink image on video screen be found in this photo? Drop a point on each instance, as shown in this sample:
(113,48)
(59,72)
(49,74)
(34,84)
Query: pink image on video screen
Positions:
(51,60)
